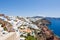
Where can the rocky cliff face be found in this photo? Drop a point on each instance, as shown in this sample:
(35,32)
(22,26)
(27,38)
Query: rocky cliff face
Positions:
(45,33)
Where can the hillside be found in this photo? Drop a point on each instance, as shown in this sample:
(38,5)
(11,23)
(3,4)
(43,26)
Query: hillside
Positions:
(27,27)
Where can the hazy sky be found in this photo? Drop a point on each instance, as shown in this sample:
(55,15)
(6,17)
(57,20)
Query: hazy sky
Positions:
(30,7)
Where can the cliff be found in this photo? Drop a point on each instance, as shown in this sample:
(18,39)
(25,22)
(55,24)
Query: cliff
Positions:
(36,25)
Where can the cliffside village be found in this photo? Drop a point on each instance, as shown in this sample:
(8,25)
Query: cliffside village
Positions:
(21,28)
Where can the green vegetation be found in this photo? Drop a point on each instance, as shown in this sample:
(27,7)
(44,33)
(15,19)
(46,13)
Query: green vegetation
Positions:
(5,28)
(29,37)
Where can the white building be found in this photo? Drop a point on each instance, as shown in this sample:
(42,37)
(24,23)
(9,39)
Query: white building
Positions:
(22,38)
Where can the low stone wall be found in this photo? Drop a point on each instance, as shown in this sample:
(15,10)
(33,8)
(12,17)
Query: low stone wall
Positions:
(10,36)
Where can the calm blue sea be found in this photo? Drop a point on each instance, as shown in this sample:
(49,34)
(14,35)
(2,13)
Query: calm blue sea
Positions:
(55,26)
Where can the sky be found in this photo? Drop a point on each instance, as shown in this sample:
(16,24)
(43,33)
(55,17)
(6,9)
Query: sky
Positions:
(50,8)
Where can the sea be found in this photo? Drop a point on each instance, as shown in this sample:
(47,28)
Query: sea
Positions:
(54,26)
